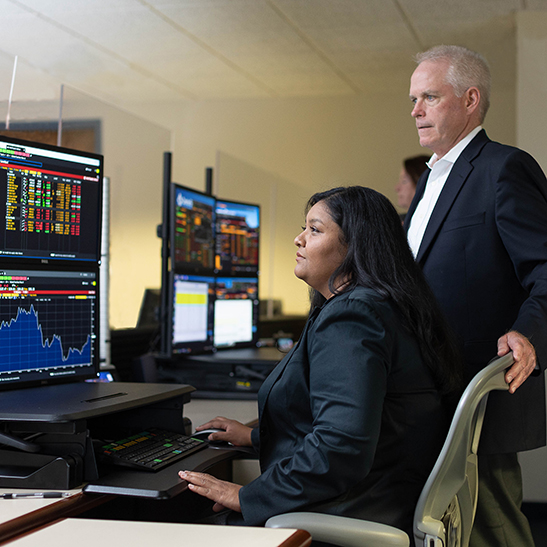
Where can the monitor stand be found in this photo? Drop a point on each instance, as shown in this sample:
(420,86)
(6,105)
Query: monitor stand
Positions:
(20,444)
(64,420)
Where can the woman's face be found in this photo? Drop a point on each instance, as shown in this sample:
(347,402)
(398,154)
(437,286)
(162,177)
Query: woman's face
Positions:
(405,189)
(320,249)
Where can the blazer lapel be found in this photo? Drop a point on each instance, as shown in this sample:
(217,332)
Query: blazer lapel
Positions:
(272,378)
(457,178)
(274,375)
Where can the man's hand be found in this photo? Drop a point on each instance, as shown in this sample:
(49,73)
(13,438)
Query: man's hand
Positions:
(524,355)
(224,494)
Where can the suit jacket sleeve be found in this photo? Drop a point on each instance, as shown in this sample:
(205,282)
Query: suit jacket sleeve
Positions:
(521,217)
(348,356)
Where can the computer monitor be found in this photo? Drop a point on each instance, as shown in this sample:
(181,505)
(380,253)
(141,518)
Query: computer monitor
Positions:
(237,238)
(192,231)
(236,309)
(49,323)
(50,202)
(192,306)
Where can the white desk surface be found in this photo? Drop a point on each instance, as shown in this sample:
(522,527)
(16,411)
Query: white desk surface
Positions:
(90,533)
(11,509)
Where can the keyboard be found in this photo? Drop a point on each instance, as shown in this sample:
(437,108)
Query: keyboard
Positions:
(150,450)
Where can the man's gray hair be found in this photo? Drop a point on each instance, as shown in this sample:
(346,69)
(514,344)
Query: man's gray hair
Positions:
(466,68)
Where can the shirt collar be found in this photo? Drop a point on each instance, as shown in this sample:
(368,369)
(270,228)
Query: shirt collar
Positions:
(454,153)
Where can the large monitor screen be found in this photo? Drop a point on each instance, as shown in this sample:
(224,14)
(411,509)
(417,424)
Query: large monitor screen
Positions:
(192,314)
(192,231)
(51,201)
(48,325)
(237,238)
(236,312)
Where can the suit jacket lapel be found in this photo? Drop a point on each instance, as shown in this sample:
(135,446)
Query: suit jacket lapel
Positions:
(457,178)
(274,375)
(272,378)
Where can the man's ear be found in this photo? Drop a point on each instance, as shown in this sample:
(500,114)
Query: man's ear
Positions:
(472,99)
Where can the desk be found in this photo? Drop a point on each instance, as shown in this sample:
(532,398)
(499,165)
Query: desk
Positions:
(11,509)
(89,533)
(21,516)
(161,485)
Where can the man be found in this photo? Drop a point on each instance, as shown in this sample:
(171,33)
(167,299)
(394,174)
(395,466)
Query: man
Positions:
(478,227)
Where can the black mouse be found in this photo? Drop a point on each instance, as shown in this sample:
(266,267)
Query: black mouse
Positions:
(202,435)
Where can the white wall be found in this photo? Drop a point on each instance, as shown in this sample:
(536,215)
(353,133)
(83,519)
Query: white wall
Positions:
(276,152)
(292,148)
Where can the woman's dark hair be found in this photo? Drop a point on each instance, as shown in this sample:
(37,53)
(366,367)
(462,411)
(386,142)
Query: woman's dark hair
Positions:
(415,166)
(378,256)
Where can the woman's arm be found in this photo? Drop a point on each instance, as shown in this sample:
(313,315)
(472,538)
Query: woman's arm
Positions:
(232,431)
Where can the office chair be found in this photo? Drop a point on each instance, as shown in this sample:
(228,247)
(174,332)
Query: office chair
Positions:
(446,508)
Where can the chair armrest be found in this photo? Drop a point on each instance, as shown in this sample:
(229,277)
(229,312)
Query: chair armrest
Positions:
(342,531)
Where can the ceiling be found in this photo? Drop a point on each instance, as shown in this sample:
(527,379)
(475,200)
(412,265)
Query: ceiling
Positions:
(135,52)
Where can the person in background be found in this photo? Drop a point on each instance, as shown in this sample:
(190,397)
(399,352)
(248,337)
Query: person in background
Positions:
(478,228)
(352,420)
(411,171)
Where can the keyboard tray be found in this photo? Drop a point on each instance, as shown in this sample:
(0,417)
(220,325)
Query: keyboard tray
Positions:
(150,450)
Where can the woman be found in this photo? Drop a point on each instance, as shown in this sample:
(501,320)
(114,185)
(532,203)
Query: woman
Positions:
(411,171)
(353,418)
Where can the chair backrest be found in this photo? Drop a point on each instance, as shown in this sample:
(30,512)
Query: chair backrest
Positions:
(446,508)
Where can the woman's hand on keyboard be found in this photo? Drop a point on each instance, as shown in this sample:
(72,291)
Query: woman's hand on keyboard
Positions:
(231,431)
(224,494)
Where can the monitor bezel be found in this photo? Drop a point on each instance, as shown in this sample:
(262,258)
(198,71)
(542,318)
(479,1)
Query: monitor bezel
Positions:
(253,343)
(197,347)
(251,272)
(186,267)
(69,151)
(85,374)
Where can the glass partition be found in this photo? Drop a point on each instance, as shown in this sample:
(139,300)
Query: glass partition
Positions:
(133,150)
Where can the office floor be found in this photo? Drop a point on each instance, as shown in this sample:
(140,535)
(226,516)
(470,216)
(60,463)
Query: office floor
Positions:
(537,516)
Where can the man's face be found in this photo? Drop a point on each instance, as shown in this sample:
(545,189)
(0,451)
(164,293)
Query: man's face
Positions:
(441,117)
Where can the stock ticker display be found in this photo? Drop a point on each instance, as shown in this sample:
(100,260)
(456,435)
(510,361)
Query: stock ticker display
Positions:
(51,204)
(237,235)
(194,243)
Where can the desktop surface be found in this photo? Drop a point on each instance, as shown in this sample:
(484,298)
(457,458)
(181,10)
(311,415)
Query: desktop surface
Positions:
(242,356)
(15,508)
(227,374)
(143,534)
(82,400)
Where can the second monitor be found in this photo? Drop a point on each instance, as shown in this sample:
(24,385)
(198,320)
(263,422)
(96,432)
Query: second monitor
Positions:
(210,313)
(237,237)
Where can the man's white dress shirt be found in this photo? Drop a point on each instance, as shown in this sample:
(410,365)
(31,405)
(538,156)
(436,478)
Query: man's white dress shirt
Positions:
(440,169)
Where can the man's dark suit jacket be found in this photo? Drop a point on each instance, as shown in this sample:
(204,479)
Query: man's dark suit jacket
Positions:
(484,254)
(350,420)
